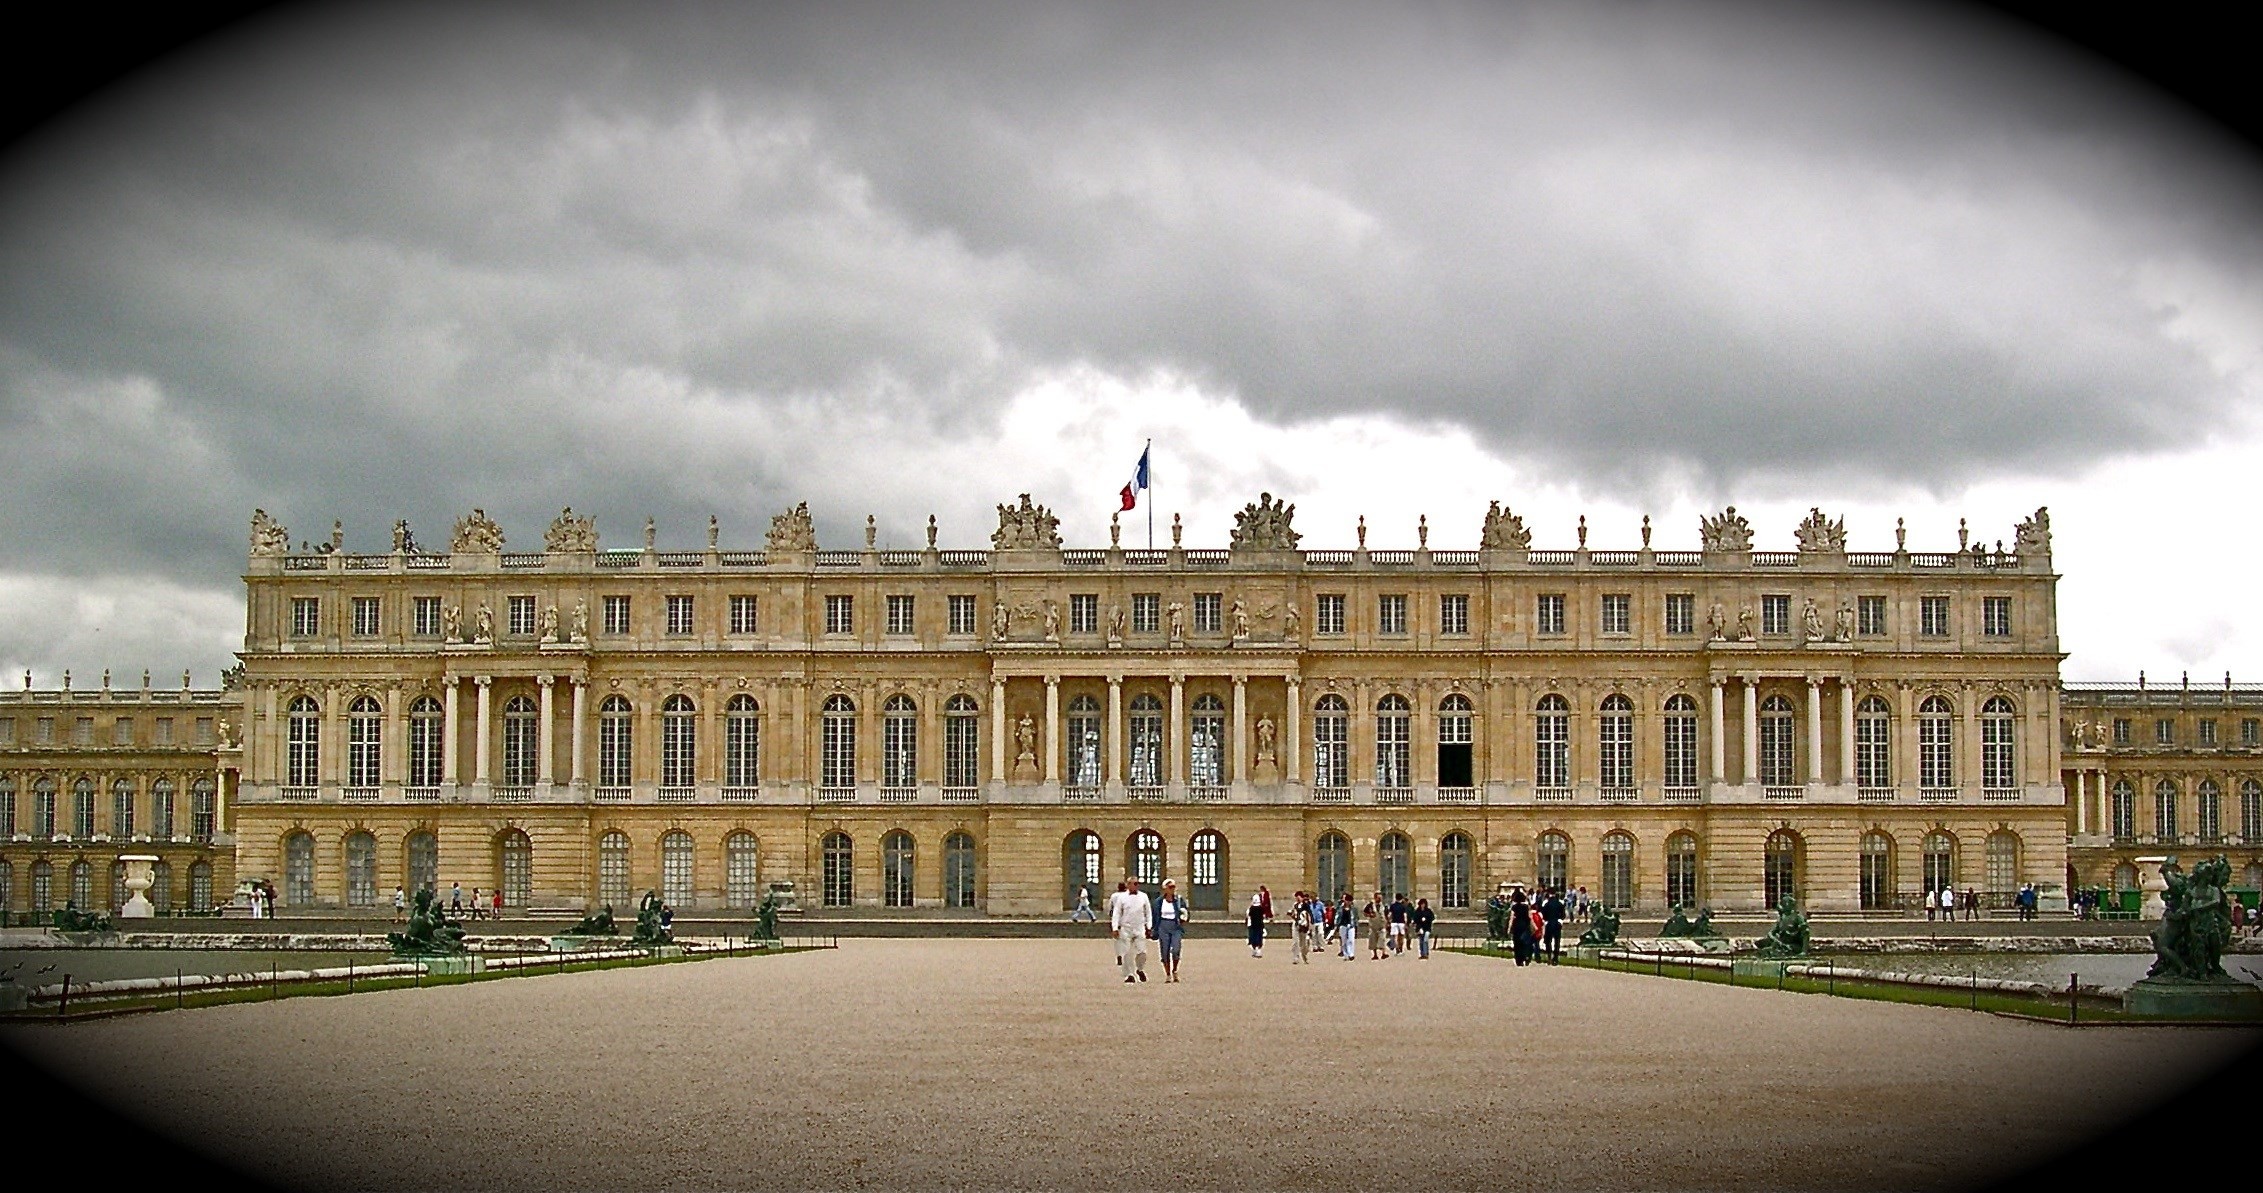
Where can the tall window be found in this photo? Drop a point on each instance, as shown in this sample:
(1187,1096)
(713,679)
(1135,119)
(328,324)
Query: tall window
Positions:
(1335,865)
(743,610)
(1209,617)
(1331,742)
(1555,856)
(679,742)
(1877,877)
(1776,613)
(1147,858)
(2251,811)
(837,760)
(1392,753)
(426,720)
(1618,870)
(902,614)
(960,610)
(1870,616)
(1933,617)
(1998,766)
(616,614)
(1779,738)
(7,813)
(515,858)
(1548,613)
(840,614)
(1455,736)
(424,616)
(1780,867)
(1395,863)
(958,870)
(42,886)
(742,885)
(1996,617)
(742,743)
(43,807)
(1681,613)
(1618,613)
(160,887)
(1552,743)
(2165,809)
(1615,742)
(82,884)
(365,617)
(676,857)
(678,610)
(204,809)
(1146,741)
(2003,861)
(1391,613)
(899,743)
(361,870)
(518,615)
(1084,742)
(1328,613)
(298,870)
(962,742)
(200,886)
(522,733)
(613,869)
(1146,614)
(1873,744)
(306,616)
(1084,613)
(364,741)
(303,743)
(1206,750)
(82,808)
(1080,867)
(1454,854)
(839,878)
(122,808)
(2122,802)
(2209,805)
(160,807)
(1453,614)
(1681,870)
(614,741)
(1681,741)
(1206,865)
(1940,861)
(1936,745)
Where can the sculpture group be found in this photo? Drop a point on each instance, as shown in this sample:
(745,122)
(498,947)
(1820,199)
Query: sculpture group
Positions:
(430,933)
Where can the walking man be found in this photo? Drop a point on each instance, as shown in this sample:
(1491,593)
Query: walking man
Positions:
(1347,927)
(1132,918)
(1423,918)
(1083,911)
(400,904)
(1552,933)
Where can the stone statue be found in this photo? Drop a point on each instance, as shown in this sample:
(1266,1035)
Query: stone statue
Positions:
(1052,622)
(2033,535)
(1789,937)
(650,932)
(766,917)
(1725,531)
(1263,525)
(1292,622)
(1115,625)
(1744,624)
(549,624)
(268,536)
(1026,527)
(1025,743)
(1811,621)
(792,531)
(483,625)
(1241,621)
(1497,914)
(1001,620)
(571,532)
(1718,622)
(228,738)
(476,534)
(1819,535)
(1266,736)
(68,918)
(651,534)
(430,933)
(1606,929)
(598,924)
(403,541)
(451,628)
(1504,531)
(2196,925)
(714,531)
(1178,614)
(577,630)
(1846,623)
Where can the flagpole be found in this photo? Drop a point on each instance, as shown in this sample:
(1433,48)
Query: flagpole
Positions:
(1148,460)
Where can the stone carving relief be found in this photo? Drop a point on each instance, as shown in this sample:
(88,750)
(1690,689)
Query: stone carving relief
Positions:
(1718,622)
(1263,525)
(483,626)
(1115,625)
(793,531)
(549,624)
(1846,623)
(451,623)
(1240,616)
(1052,623)
(1178,615)
(1811,622)
(1725,531)
(1001,620)
(2033,535)
(1504,531)
(403,541)
(1819,535)
(1292,621)
(268,536)
(570,531)
(577,630)
(1026,527)
(476,534)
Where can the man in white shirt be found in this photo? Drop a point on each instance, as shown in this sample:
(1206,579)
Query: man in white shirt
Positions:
(1131,917)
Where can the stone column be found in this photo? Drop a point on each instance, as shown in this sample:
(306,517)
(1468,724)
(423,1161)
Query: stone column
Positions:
(1720,750)
(2081,802)
(1751,729)
(1815,730)
(1292,737)
(1053,729)
(1241,732)
(997,730)
(1968,739)
(480,729)
(1905,736)
(578,734)
(1176,772)
(545,737)
(1115,776)
(450,765)
(1846,730)
(393,764)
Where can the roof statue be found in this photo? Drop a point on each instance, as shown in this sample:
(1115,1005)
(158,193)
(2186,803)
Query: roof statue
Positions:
(268,536)
(1725,531)
(793,531)
(1504,531)
(1263,525)
(476,534)
(571,532)
(1820,535)
(2033,535)
(1026,527)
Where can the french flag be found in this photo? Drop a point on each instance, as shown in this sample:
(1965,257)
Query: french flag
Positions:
(1131,491)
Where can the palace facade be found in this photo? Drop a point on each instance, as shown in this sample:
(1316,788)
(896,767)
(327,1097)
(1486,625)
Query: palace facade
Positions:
(2154,770)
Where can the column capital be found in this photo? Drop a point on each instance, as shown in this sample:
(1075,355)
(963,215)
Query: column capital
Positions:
(451,681)
(483,680)
(545,680)
(1115,679)
(1052,681)
(1241,681)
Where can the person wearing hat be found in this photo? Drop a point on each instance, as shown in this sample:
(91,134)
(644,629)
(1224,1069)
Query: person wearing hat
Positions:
(1257,913)
(1170,927)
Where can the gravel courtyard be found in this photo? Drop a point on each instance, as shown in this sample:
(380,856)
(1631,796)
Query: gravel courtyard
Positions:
(894,1063)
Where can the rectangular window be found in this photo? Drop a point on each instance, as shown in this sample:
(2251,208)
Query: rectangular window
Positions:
(1391,614)
(1870,615)
(840,614)
(424,616)
(1328,613)
(679,611)
(1996,616)
(204,731)
(2165,732)
(1549,616)
(122,733)
(2121,731)
(306,616)
(902,619)
(1681,613)
(82,731)
(1776,613)
(960,607)
(2208,731)
(1453,614)
(1618,612)
(518,616)
(742,615)
(1209,612)
(365,617)
(7,730)
(616,615)
(162,731)
(44,732)
(1084,613)
(2251,732)
(1933,617)
(1147,612)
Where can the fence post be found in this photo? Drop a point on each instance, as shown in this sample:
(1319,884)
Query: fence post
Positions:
(179,1000)
(63,1006)
(2074,999)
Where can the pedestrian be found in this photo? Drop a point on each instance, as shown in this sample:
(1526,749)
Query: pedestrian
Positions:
(400,904)
(1520,928)
(1582,908)
(667,922)
(455,898)
(1300,926)
(1347,926)
(1932,904)
(1423,918)
(478,904)
(1257,925)
(1552,926)
(1378,936)
(1170,928)
(1400,909)
(1265,900)
(1132,919)
(497,912)
(1971,904)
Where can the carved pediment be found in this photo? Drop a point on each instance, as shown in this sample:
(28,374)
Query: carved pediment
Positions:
(1026,527)
(268,536)
(2033,535)
(1725,531)
(1264,525)
(792,531)
(571,532)
(476,534)
(1818,534)
(1504,531)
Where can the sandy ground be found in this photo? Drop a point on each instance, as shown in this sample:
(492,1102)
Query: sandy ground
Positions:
(994,1063)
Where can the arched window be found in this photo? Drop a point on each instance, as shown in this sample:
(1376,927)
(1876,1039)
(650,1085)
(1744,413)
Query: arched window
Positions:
(423,852)
(2122,803)
(613,869)
(160,887)
(962,743)
(742,878)
(1331,743)
(82,885)
(837,761)
(896,869)
(7,809)
(1615,744)
(7,887)
(122,808)
(1080,867)
(839,877)
(365,741)
(521,741)
(1877,876)
(204,809)
(1206,743)
(1999,769)
(1456,766)
(1681,869)
(1681,742)
(1779,864)
(302,755)
(43,807)
(426,721)
(742,745)
(677,854)
(515,866)
(42,888)
(2165,810)
(2003,862)
(1552,743)
(899,744)
(1147,858)
(1936,745)
(1206,865)
(160,808)
(1873,744)
(2251,812)
(1940,861)
(2253,879)
(2125,877)
(82,808)
(117,886)
(1335,865)
(200,886)
(958,870)
(1555,856)
(1454,857)
(361,869)
(1779,744)
(1618,870)
(1083,742)
(1393,764)
(615,742)
(2209,804)
(1394,858)
(679,746)
(298,870)
(1146,741)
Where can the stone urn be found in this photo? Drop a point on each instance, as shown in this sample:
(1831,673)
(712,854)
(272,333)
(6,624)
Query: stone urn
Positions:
(141,872)
(2150,881)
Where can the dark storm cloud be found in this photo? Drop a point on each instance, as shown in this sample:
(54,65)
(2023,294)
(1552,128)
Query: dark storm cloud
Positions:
(376,263)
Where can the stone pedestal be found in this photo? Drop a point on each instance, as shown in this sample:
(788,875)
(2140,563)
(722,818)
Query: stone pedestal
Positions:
(1761,968)
(783,891)
(2225,998)
(141,872)
(461,964)
(2154,886)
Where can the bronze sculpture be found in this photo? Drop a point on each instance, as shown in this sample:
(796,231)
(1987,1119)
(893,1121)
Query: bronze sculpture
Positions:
(430,932)
(1789,937)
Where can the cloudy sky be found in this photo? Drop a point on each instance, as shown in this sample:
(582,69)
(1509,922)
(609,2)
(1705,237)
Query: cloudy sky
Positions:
(1391,261)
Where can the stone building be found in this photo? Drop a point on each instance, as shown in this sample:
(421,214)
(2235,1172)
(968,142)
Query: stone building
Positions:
(984,729)
(2154,770)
